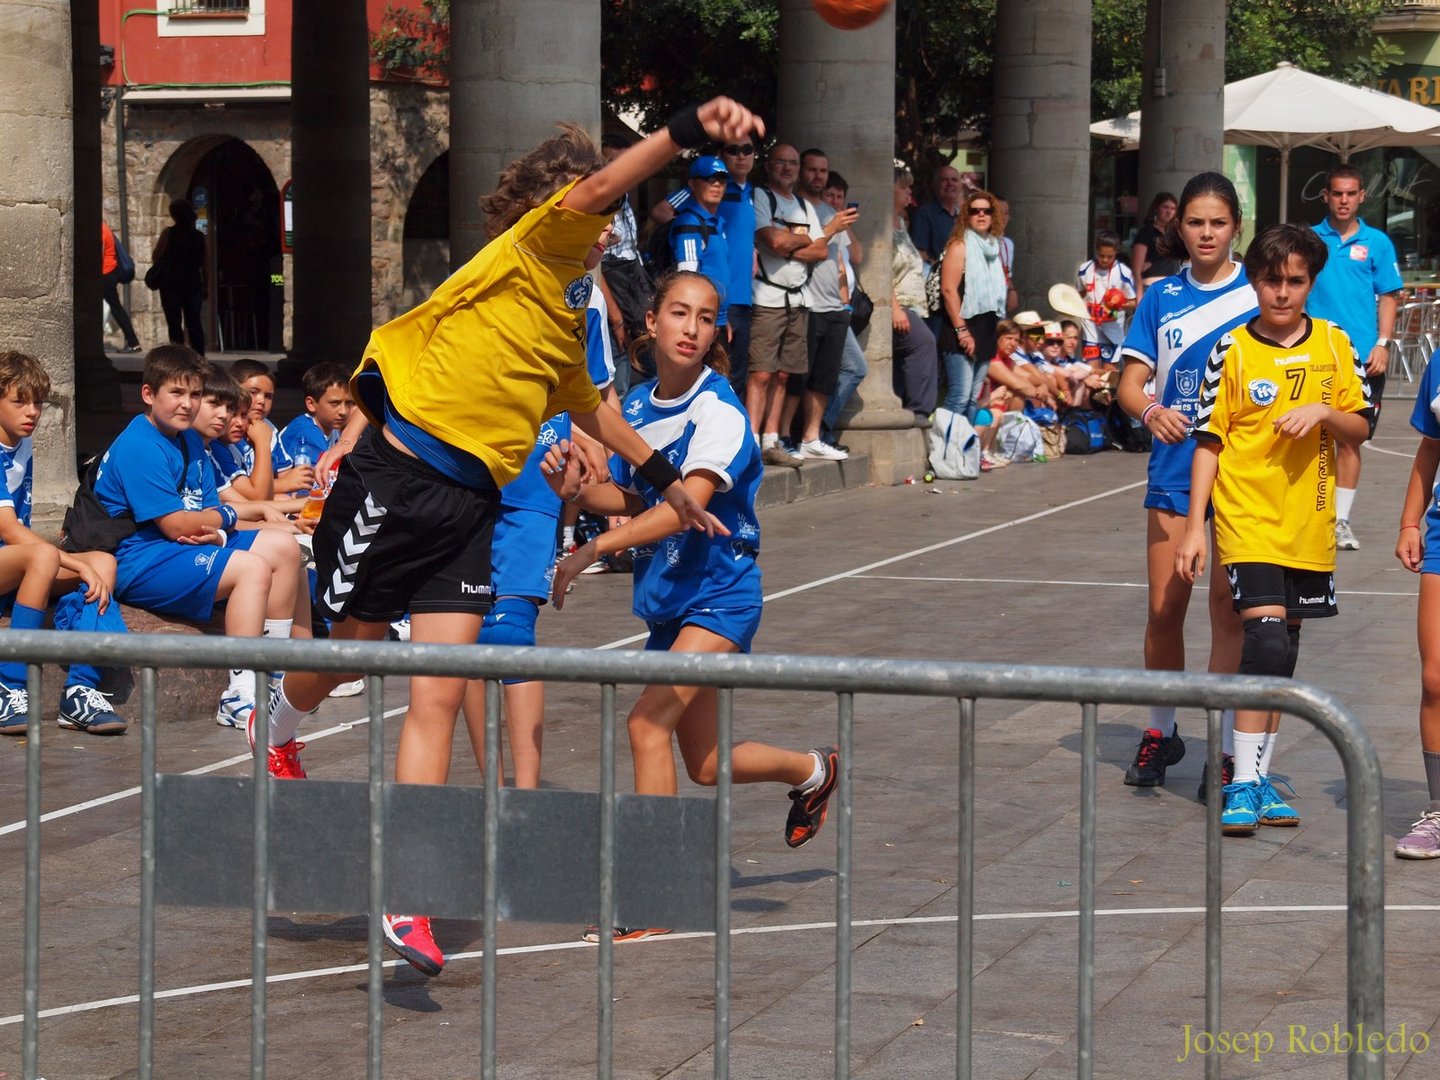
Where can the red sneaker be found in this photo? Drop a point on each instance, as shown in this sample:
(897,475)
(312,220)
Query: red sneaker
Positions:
(285,761)
(410,936)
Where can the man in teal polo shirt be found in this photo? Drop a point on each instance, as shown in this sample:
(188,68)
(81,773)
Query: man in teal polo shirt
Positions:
(1359,291)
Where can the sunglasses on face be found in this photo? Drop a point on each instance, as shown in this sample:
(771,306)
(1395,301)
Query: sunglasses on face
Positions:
(976,210)
(742,151)
(718,178)
(1054,341)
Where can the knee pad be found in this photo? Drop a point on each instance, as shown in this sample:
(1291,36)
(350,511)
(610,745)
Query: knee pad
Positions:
(1267,647)
(1292,652)
(510,621)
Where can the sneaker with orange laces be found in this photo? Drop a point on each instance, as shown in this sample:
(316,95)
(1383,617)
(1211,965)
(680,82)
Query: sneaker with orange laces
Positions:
(808,808)
(282,761)
(410,936)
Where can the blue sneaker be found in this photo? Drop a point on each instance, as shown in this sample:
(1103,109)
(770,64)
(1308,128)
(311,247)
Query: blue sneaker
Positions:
(1273,809)
(83,708)
(14,710)
(1242,808)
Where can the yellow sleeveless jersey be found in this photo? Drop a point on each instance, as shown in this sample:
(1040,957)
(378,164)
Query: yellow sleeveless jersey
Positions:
(1274,496)
(500,346)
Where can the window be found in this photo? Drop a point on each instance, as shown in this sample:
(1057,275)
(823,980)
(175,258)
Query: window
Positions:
(211,18)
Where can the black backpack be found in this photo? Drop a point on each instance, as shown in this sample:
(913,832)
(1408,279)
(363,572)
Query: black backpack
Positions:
(1127,433)
(88,525)
(660,251)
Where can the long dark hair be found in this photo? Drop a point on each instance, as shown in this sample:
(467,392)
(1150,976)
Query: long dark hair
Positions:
(1205,184)
(716,358)
(1161,198)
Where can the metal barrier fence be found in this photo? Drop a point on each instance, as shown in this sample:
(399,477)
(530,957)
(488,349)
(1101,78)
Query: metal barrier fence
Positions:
(701,897)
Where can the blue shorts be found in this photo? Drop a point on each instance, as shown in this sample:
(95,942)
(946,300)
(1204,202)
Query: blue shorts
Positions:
(733,624)
(1430,562)
(177,579)
(1177,502)
(522,554)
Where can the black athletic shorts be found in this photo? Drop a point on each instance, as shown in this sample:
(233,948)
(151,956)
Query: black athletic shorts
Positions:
(398,536)
(1377,396)
(1306,594)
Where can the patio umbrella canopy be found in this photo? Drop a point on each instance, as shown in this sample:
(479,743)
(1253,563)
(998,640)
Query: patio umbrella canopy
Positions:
(1290,107)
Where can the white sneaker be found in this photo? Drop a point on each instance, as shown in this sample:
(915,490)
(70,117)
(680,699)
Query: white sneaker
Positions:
(1344,538)
(235,709)
(822,450)
(349,689)
(400,629)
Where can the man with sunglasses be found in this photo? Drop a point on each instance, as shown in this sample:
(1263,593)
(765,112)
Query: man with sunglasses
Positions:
(698,238)
(737,214)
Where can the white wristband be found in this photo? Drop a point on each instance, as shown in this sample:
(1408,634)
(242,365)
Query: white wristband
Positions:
(224,537)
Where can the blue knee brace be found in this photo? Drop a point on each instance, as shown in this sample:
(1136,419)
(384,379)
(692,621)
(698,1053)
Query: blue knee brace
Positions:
(510,621)
(1267,647)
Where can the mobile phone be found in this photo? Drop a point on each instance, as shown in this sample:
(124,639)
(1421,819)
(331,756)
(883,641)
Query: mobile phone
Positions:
(852,206)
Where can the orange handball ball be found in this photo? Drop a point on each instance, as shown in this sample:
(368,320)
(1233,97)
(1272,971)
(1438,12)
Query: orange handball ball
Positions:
(1114,299)
(849,14)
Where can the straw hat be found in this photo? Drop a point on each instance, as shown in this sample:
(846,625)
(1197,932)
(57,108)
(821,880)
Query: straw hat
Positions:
(1065,299)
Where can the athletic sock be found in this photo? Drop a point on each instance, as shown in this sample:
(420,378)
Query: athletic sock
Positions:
(1162,718)
(567,536)
(277,628)
(1267,751)
(1227,732)
(1344,503)
(769,439)
(284,718)
(242,682)
(816,776)
(12,672)
(1249,745)
(1432,772)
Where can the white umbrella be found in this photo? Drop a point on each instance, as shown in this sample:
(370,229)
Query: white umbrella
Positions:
(1289,107)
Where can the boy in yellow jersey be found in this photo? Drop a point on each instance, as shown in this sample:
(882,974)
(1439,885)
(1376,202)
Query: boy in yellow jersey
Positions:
(1278,393)
(450,399)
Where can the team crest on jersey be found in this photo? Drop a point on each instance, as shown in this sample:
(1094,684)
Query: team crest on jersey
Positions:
(577,293)
(1263,391)
(636,404)
(1171,288)
(1187,382)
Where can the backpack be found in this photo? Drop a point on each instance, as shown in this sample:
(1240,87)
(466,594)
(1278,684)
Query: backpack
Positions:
(1127,433)
(954,446)
(88,526)
(1086,432)
(1020,438)
(660,250)
(124,264)
(934,301)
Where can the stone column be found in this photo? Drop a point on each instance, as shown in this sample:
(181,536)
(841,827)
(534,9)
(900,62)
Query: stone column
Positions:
(517,67)
(837,92)
(97,383)
(37,228)
(1182,97)
(1040,142)
(330,130)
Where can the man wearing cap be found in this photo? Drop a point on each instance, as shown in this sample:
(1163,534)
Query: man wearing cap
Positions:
(698,238)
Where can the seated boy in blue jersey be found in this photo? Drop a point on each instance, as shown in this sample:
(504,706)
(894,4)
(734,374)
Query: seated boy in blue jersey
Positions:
(327,407)
(216,424)
(278,474)
(189,549)
(33,572)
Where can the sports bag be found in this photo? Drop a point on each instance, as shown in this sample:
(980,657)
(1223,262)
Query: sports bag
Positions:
(1085,432)
(1020,438)
(88,526)
(124,264)
(954,446)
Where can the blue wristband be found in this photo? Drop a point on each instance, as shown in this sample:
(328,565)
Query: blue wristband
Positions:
(228,516)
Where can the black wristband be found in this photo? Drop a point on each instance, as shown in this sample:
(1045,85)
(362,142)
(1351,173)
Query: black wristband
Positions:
(658,472)
(686,129)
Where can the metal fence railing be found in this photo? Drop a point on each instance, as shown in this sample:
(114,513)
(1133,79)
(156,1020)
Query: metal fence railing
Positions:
(620,845)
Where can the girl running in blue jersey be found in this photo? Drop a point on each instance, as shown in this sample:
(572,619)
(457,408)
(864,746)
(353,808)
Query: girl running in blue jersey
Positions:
(697,593)
(1177,324)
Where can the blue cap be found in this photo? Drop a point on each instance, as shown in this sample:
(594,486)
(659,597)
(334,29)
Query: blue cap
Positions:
(706,166)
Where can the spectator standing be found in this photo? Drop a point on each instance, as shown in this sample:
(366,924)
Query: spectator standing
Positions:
(829,319)
(789,242)
(1108,289)
(853,368)
(914,370)
(698,238)
(622,271)
(110,279)
(932,224)
(180,253)
(1007,252)
(1147,262)
(1358,290)
(973,287)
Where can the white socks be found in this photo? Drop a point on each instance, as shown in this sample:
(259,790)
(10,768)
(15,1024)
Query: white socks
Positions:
(1162,718)
(816,776)
(1253,750)
(277,628)
(1344,503)
(284,717)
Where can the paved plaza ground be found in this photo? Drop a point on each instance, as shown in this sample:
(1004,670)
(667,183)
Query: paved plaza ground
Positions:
(1042,564)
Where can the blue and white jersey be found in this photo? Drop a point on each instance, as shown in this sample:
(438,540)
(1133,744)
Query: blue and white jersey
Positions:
(529,491)
(737,211)
(18,463)
(1175,328)
(698,242)
(151,475)
(279,460)
(705,428)
(1426,420)
(303,436)
(226,463)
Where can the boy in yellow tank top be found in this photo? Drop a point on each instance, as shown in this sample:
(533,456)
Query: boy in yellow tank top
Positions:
(1278,393)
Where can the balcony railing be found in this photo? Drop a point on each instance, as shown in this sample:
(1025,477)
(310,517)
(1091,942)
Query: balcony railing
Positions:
(185,8)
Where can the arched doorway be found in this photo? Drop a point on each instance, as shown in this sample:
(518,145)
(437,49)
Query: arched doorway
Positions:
(427,234)
(238,205)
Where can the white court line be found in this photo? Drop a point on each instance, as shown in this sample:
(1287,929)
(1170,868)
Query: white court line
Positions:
(1393,453)
(1098,585)
(567,946)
